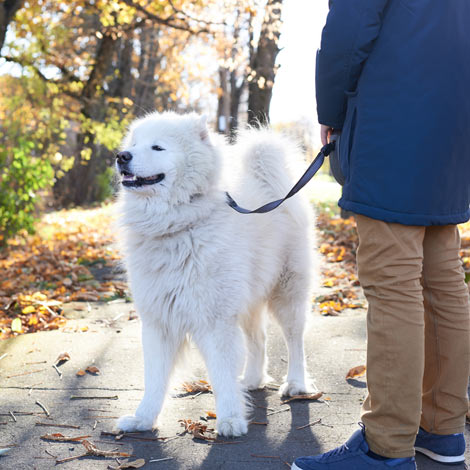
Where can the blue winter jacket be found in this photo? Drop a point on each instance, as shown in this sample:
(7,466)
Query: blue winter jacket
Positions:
(394,75)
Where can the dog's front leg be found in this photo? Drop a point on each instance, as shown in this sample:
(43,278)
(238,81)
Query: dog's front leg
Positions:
(222,348)
(160,350)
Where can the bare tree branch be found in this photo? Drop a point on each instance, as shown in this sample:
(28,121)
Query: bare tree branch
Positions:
(171,21)
(197,20)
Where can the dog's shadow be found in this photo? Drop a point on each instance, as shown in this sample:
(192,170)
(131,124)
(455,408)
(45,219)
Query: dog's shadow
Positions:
(273,440)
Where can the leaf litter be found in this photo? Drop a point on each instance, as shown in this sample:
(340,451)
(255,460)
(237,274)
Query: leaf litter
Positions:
(43,271)
(357,371)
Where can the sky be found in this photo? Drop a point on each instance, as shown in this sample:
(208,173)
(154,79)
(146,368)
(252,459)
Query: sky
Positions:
(294,87)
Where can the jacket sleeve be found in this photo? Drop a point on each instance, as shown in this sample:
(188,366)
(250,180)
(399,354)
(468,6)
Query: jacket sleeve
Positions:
(352,26)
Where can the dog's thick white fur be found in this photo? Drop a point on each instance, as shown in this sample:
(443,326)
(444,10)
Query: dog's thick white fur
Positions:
(199,270)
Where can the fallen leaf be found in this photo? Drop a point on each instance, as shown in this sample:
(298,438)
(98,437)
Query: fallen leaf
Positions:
(357,371)
(197,387)
(211,414)
(134,464)
(197,429)
(92,370)
(61,358)
(91,449)
(80,372)
(310,396)
(28,309)
(16,325)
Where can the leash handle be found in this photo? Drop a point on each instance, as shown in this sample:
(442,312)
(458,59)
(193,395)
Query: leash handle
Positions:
(304,179)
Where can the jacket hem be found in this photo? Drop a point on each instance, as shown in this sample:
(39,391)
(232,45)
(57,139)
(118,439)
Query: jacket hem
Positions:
(404,218)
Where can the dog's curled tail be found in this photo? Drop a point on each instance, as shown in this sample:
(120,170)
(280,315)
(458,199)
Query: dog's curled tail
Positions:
(275,161)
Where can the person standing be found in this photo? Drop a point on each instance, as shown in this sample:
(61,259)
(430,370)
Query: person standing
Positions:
(394,77)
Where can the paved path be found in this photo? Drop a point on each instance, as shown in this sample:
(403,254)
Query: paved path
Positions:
(334,345)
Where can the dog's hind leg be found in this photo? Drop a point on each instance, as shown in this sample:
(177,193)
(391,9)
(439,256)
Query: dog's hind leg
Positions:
(254,326)
(160,351)
(289,304)
(221,346)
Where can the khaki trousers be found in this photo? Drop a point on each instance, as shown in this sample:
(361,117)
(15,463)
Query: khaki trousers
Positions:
(418,323)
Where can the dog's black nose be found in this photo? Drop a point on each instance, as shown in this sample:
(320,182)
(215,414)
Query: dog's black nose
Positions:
(124,157)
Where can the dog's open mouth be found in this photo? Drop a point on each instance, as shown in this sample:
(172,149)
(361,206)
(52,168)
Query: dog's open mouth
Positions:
(132,181)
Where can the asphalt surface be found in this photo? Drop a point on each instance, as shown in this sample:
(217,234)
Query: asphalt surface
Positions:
(111,343)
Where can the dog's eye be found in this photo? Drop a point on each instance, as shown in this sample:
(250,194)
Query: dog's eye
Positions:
(157,148)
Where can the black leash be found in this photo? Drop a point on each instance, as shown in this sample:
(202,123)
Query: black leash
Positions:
(306,177)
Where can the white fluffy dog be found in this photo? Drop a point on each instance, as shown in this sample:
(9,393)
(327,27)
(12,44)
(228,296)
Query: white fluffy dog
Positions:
(199,270)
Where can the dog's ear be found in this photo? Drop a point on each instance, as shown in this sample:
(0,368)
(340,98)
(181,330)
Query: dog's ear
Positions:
(203,131)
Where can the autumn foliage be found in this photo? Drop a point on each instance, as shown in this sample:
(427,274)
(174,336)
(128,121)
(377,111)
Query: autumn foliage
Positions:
(42,272)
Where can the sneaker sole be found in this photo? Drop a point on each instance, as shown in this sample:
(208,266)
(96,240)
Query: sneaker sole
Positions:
(452,460)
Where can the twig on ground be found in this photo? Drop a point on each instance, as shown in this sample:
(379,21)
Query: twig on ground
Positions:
(160,460)
(277,411)
(49,453)
(19,413)
(120,435)
(43,407)
(318,421)
(78,397)
(34,363)
(25,373)
(13,416)
(266,456)
(58,437)
(260,423)
(32,387)
(55,425)
(57,370)
(102,417)
(265,408)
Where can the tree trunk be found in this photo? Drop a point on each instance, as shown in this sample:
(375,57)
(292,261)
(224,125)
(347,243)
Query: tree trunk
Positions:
(80,184)
(8,8)
(262,64)
(223,108)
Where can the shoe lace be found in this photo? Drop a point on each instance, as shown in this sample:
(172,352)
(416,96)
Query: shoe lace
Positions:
(335,452)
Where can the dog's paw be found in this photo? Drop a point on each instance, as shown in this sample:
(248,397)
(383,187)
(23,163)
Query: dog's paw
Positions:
(232,427)
(129,423)
(289,389)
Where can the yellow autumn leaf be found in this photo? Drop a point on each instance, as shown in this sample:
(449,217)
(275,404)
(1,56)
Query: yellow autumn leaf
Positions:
(28,309)
(16,325)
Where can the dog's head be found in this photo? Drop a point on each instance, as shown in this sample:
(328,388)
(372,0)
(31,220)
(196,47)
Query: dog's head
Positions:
(168,156)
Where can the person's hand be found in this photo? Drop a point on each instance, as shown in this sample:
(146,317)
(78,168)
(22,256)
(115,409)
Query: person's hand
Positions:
(325,133)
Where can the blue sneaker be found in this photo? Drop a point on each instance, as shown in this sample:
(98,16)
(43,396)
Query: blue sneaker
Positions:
(448,449)
(352,456)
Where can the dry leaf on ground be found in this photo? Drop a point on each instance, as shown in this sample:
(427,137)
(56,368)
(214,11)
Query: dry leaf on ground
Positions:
(92,370)
(61,358)
(80,373)
(197,429)
(309,396)
(357,371)
(197,387)
(134,464)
